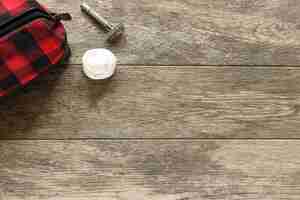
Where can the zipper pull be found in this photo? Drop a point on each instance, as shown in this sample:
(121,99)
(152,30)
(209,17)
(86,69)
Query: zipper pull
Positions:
(61,16)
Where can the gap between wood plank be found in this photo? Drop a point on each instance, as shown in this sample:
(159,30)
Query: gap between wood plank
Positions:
(155,139)
(202,66)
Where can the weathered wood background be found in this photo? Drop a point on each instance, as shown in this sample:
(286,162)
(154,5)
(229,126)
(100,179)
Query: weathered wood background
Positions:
(150,170)
(192,32)
(158,102)
(205,105)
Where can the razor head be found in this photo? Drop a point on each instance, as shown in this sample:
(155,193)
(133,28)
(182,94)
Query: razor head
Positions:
(116,33)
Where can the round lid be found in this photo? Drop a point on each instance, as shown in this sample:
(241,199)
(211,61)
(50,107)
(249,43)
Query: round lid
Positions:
(99,63)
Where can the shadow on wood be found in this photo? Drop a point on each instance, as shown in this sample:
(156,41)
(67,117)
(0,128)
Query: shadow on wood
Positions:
(44,101)
(19,111)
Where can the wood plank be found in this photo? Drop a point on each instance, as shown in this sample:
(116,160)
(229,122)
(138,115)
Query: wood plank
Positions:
(115,170)
(158,102)
(189,32)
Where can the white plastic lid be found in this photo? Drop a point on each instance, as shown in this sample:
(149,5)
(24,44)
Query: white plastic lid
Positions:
(99,63)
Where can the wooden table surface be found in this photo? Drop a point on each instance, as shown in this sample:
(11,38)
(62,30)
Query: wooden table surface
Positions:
(205,105)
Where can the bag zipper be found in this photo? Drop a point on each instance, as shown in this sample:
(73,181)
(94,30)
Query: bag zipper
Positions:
(29,16)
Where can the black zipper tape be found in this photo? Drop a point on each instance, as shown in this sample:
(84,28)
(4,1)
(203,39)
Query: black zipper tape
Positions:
(28,17)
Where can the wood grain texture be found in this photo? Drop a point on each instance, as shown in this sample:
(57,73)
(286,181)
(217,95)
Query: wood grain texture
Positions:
(158,102)
(142,170)
(206,32)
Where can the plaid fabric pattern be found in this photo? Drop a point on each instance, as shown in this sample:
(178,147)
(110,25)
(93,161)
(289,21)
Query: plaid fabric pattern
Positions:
(31,49)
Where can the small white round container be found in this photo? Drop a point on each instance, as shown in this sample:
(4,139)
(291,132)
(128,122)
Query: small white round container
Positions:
(99,64)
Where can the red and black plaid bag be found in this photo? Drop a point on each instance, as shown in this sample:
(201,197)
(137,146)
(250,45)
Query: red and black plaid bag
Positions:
(32,39)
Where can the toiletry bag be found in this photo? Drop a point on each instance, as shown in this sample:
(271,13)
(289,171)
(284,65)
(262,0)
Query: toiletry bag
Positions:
(32,40)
